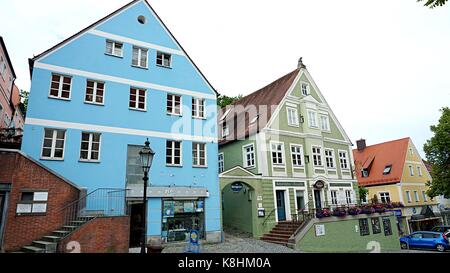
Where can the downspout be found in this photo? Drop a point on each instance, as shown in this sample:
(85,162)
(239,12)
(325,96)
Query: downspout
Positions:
(11,104)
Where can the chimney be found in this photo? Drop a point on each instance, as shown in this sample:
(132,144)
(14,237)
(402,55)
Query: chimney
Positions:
(300,63)
(361,144)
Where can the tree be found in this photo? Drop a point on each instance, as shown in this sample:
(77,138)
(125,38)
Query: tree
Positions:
(223,100)
(362,191)
(437,152)
(433,3)
(24,95)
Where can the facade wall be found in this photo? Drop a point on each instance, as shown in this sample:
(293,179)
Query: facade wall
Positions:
(6,85)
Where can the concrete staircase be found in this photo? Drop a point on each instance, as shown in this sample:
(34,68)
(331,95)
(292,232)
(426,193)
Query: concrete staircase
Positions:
(281,233)
(49,243)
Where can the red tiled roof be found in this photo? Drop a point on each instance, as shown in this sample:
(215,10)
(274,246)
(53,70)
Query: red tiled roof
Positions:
(268,97)
(381,155)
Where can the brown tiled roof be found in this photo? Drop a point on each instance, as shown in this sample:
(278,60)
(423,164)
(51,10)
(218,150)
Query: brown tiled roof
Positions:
(269,97)
(377,157)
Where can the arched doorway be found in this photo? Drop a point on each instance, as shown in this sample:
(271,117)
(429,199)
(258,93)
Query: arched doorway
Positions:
(318,194)
(238,206)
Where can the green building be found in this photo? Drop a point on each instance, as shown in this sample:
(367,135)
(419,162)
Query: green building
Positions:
(282,151)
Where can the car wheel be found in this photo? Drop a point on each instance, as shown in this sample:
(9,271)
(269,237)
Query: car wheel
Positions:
(440,248)
(404,245)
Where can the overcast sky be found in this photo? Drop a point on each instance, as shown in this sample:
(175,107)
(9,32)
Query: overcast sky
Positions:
(383,66)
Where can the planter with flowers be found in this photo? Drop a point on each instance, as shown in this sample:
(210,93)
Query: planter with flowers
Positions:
(397,205)
(320,213)
(339,212)
(379,208)
(354,211)
(367,209)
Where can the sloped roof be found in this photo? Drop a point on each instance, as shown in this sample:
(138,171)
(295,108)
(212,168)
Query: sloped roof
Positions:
(268,97)
(381,155)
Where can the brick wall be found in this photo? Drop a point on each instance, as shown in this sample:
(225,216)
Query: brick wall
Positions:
(23,173)
(101,235)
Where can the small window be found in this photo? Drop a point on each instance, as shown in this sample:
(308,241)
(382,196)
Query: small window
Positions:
(140,56)
(387,226)
(53,146)
(411,170)
(225,130)
(312,118)
(329,158)
(174,104)
(343,160)
(364,227)
(198,108)
(292,116)
(348,196)
(365,172)
(163,59)
(305,89)
(416,196)
(173,153)
(60,87)
(296,154)
(114,48)
(138,99)
(317,156)
(324,123)
(90,147)
(94,92)
(199,154)
(221,162)
(141,19)
(387,170)
(419,170)
(408,196)
(385,197)
(32,202)
(334,199)
(249,156)
(376,227)
(424,195)
(277,153)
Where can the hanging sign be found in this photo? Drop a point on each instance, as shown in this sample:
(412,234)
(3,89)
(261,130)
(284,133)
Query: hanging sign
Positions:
(236,186)
(319,184)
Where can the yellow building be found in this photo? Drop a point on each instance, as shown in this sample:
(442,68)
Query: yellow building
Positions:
(394,172)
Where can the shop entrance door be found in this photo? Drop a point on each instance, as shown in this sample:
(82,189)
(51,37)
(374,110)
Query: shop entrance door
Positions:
(136,224)
(281,209)
(318,199)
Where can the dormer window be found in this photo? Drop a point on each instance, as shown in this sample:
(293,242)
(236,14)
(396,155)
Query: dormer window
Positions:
(365,173)
(387,169)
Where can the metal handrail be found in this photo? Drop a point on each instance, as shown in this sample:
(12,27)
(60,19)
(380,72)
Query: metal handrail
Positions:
(268,216)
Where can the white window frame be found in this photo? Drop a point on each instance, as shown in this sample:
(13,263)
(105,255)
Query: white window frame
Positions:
(348,196)
(424,195)
(172,164)
(31,204)
(90,144)
(283,159)
(308,91)
(383,195)
(334,197)
(197,155)
(329,157)
(225,130)
(221,162)
(113,48)
(408,196)
(173,113)
(94,92)
(341,160)
(319,155)
(411,170)
(197,104)
(60,86)
(162,59)
(297,154)
(140,51)
(292,117)
(312,122)
(136,107)
(252,154)
(419,170)
(327,123)
(416,196)
(53,147)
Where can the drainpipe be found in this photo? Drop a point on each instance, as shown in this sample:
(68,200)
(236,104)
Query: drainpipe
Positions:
(11,104)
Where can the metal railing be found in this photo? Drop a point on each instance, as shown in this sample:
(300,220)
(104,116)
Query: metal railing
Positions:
(268,216)
(103,202)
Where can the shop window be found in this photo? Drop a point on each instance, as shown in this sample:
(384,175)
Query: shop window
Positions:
(32,202)
(376,228)
(387,226)
(364,227)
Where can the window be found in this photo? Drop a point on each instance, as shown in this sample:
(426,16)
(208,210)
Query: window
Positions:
(312,118)
(141,19)
(334,199)
(163,59)
(305,89)
(199,154)
(173,153)
(416,196)
(364,227)
(225,130)
(364,172)
(114,48)
(329,158)
(139,58)
(385,197)
(387,226)
(317,156)
(411,170)
(2,67)
(408,196)
(90,147)
(348,196)
(376,227)
(424,195)
(60,87)
(221,161)
(297,155)
(94,92)
(292,116)
(53,146)
(198,108)
(343,160)
(173,104)
(32,202)
(387,169)
(419,170)
(138,99)
(277,153)
(249,156)
(324,123)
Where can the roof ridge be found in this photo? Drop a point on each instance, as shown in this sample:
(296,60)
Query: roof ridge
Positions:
(386,142)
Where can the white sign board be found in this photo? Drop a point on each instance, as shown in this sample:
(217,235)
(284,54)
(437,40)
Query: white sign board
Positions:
(320,230)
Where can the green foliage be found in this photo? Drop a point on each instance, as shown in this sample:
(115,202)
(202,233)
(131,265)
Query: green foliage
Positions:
(223,100)
(437,152)
(24,95)
(433,3)
(362,191)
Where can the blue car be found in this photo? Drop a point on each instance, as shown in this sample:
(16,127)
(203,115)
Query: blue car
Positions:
(426,239)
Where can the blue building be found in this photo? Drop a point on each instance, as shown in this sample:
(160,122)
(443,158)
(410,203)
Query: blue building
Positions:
(97,96)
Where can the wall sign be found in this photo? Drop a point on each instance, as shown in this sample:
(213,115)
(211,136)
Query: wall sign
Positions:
(261,212)
(320,230)
(158,192)
(319,184)
(289,184)
(237,186)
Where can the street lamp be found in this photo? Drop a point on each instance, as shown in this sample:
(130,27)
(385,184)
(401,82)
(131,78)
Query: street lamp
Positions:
(146,156)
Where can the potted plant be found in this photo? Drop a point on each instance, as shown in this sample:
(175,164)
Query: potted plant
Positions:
(339,212)
(320,213)
(379,208)
(354,211)
(367,209)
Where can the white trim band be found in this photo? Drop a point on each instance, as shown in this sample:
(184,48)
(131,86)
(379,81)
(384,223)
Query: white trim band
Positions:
(116,130)
(103,77)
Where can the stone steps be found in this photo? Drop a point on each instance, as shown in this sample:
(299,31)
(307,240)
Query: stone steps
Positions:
(281,233)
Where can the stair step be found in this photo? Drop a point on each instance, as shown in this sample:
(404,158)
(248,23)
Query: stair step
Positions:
(77,223)
(274,242)
(69,228)
(32,249)
(60,233)
(281,232)
(281,236)
(48,246)
(50,238)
